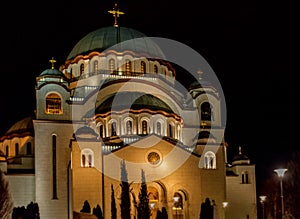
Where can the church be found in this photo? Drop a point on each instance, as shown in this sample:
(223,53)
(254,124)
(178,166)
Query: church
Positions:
(114,110)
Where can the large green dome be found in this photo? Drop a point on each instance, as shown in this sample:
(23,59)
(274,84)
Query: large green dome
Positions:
(106,37)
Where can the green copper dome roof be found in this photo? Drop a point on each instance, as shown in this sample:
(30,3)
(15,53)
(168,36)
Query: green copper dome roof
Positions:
(106,37)
(133,100)
(52,72)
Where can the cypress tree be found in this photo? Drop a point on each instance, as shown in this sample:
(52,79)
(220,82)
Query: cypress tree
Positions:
(113,204)
(125,194)
(143,206)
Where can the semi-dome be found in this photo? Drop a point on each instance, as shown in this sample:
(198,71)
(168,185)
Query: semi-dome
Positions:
(107,37)
(23,127)
(134,101)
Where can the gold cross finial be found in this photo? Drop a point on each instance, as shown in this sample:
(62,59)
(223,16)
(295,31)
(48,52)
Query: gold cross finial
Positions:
(240,150)
(52,62)
(116,13)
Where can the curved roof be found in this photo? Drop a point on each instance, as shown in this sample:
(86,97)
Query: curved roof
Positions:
(106,37)
(132,100)
(85,132)
(52,72)
(24,125)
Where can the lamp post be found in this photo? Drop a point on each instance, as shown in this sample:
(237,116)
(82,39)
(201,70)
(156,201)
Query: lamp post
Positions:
(262,201)
(280,172)
(225,204)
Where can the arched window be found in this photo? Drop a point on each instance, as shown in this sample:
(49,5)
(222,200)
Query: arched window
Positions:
(17,149)
(87,158)
(155,69)
(143,67)
(81,69)
(158,128)
(127,67)
(101,131)
(129,127)
(153,197)
(205,111)
(177,205)
(113,129)
(171,131)
(210,160)
(95,66)
(144,127)
(112,66)
(53,104)
(28,148)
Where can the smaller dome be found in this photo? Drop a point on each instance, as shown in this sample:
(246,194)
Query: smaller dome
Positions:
(240,158)
(85,132)
(52,72)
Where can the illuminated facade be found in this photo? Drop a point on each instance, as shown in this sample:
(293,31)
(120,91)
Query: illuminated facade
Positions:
(109,104)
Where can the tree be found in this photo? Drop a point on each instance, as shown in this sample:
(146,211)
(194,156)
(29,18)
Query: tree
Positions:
(292,186)
(113,207)
(18,212)
(143,206)
(32,211)
(158,214)
(86,207)
(206,210)
(125,194)
(98,212)
(6,204)
(164,213)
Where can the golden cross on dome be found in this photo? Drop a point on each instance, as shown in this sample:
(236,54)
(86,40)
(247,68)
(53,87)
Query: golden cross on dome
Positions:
(116,13)
(240,150)
(52,62)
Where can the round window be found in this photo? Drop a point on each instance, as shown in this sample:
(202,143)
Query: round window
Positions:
(153,158)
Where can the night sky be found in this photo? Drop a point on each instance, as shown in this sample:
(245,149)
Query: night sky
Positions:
(250,45)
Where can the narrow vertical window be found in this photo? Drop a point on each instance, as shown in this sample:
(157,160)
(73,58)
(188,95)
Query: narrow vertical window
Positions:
(81,69)
(155,69)
(90,160)
(245,178)
(143,67)
(113,129)
(158,128)
(144,127)
(6,150)
(17,149)
(54,177)
(205,111)
(95,66)
(111,66)
(171,134)
(128,127)
(28,148)
(83,160)
(127,67)
(101,131)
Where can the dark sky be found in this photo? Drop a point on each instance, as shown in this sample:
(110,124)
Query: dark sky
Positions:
(250,45)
